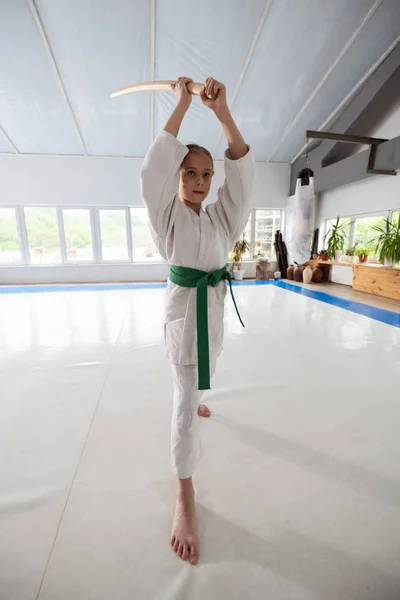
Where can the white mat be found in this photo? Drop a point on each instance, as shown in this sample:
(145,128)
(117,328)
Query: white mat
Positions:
(299,488)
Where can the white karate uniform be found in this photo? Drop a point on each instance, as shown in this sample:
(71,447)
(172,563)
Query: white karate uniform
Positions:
(203,242)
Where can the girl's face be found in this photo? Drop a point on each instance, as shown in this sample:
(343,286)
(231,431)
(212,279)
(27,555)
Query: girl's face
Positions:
(196,174)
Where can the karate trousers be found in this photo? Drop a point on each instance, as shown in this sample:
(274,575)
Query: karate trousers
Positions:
(186,449)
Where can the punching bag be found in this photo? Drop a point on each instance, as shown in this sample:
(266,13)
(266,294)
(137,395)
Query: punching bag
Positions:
(299,240)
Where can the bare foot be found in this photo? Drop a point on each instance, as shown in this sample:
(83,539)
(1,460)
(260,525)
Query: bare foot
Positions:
(183,538)
(203,411)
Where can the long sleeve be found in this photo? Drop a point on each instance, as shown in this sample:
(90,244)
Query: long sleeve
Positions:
(233,206)
(160,180)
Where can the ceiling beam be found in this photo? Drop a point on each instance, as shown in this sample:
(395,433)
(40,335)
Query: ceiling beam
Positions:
(354,168)
(152,64)
(342,137)
(9,140)
(247,60)
(329,72)
(54,65)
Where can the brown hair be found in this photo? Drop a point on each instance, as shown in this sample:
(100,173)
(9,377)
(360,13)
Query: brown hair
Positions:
(196,149)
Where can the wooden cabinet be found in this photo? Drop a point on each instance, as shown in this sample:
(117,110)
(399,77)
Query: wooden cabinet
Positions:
(378,280)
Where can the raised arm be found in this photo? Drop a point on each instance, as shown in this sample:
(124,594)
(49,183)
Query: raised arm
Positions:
(233,206)
(174,123)
(236,144)
(160,169)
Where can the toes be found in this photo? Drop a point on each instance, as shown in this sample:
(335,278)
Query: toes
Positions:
(203,411)
(172,540)
(176,545)
(180,550)
(194,555)
(185,553)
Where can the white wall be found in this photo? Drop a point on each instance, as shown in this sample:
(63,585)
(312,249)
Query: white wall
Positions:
(377,193)
(94,181)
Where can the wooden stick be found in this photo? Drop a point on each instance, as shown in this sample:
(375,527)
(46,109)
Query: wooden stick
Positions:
(150,86)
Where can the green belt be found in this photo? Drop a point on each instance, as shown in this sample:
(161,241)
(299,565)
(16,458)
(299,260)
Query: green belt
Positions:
(193,278)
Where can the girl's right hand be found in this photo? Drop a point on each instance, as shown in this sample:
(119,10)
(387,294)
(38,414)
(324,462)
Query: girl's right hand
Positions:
(181,91)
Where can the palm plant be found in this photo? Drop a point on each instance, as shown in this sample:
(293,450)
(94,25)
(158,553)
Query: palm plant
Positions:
(336,238)
(240,248)
(388,241)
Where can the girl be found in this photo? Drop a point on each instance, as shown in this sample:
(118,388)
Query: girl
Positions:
(175,181)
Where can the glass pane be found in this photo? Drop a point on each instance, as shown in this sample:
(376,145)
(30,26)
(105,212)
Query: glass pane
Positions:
(267,222)
(346,221)
(144,249)
(9,243)
(78,234)
(364,232)
(42,230)
(113,234)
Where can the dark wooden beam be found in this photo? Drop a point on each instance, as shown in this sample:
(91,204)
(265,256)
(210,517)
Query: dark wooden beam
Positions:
(343,137)
(355,167)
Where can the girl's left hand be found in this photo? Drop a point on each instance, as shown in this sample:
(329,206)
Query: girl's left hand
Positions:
(214,88)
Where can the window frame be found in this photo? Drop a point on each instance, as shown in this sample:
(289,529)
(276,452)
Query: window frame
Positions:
(95,228)
(386,214)
(22,262)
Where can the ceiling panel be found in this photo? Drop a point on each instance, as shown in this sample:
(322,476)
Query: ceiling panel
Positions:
(299,43)
(198,40)
(32,109)
(367,49)
(5,146)
(98,47)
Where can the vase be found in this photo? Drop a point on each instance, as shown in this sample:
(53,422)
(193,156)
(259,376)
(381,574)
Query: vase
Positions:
(317,275)
(290,272)
(307,274)
(298,274)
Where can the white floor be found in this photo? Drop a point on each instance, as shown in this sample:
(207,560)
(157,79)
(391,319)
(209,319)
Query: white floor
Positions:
(299,487)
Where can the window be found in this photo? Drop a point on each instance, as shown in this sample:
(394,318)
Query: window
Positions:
(114,237)
(144,249)
(10,251)
(78,234)
(364,234)
(346,221)
(42,232)
(266,224)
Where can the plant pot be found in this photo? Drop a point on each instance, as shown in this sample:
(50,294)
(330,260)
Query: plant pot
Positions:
(354,260)
(388,262)
(307,274)
(238,274)
(363,258)
(338,255)
(324,256)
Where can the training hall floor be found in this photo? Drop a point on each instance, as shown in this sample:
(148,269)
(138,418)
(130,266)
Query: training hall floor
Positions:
(299,488)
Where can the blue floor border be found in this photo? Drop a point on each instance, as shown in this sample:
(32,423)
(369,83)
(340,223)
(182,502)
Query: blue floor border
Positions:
(378,314)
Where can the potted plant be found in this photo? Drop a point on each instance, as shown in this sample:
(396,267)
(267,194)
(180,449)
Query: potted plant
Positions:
(388,242)
(362,253)
(240,248)
(323,255)
(336,238)
(351,254)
